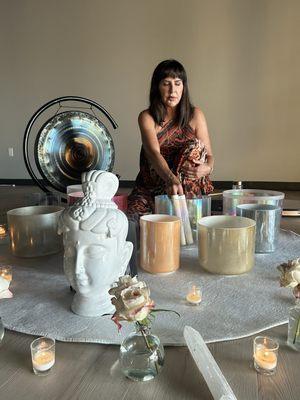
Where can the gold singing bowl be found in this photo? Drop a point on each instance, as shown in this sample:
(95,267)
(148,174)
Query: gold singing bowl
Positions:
(226,244)
(33,230)
(160,243)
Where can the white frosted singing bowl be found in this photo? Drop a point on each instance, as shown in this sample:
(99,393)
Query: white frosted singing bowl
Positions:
(226,244)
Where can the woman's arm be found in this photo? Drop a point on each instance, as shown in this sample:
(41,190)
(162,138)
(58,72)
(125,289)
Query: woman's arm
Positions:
(152,150)
(198,170)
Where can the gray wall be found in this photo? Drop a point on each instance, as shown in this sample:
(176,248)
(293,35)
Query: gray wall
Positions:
(242,58)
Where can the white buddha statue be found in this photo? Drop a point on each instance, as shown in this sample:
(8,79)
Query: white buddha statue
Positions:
(96,253)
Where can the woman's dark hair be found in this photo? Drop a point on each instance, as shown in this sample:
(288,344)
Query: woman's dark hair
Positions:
(185,110)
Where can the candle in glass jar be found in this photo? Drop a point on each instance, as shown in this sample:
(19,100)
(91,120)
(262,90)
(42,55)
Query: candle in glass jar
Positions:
(43,355)
(3,231)
(265,354)
(43,360)
(265,359)
(6,272)
(194,296)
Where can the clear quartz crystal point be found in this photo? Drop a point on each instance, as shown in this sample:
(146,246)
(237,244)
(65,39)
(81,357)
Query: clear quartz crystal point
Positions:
(1,330)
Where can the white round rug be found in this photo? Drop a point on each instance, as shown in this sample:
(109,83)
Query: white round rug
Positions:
(232,306)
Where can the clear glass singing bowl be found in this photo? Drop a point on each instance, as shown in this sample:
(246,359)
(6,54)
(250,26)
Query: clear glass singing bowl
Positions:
(233,198)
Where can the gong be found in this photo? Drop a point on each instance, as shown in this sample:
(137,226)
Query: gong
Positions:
(69,143)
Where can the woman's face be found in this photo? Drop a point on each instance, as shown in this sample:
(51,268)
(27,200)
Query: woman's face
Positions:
(171,91)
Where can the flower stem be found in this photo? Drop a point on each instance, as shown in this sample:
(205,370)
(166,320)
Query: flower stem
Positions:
(142,330)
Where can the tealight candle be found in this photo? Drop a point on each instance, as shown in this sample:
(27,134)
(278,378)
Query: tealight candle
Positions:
(3,231)
(194,296)
(43,355)
(6,272)
(43,360)
(265,354)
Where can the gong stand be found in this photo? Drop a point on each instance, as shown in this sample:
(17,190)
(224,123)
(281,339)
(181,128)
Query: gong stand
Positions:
(69,143)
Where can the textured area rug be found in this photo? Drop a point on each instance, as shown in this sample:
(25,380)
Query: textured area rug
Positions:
(232,306)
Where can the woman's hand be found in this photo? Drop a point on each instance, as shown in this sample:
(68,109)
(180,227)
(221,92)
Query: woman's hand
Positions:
(196,169)
(173,185)
(174,189)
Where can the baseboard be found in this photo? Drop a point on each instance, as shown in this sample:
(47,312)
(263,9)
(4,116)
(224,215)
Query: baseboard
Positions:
(219,185)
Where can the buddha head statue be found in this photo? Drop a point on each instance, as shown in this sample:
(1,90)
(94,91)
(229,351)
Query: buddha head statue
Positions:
(96,253)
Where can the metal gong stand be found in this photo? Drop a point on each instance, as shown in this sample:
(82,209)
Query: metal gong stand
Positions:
(70,142)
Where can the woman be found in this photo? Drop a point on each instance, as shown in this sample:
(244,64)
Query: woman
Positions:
(176,155)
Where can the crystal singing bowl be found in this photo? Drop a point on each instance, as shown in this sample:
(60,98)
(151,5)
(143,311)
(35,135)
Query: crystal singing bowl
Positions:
(160,243)
(267,218)
(232,198)
(226,244)
(33,230)
(197,207)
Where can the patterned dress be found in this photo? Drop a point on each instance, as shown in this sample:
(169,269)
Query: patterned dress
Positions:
(177,146)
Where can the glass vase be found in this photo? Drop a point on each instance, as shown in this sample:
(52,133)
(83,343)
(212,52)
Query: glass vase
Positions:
(294,327)
(141,355)
(1,330)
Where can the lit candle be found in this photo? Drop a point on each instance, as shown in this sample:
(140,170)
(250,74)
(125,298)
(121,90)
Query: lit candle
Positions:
(6,272)
(265,359)
(43,360)
(3,231)
(194,295)
(42,355)
(265,353)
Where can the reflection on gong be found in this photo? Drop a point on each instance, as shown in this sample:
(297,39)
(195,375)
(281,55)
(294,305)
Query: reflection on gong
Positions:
(80,153)
(68,144)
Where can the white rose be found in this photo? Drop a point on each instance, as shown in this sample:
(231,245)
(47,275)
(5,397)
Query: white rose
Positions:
(131,299)
(294,277)
(290,273)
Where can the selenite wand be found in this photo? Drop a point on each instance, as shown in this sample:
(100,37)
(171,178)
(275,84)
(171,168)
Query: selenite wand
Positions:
(185,220)
(216,382)
(177,210)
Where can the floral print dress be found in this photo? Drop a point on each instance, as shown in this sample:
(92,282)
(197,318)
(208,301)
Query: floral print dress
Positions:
(177,146)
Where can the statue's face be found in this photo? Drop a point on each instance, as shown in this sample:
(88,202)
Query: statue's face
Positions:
(90,260)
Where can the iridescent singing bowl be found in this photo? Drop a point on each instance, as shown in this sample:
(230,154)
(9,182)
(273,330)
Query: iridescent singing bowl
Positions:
(160,243)
(226,244)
